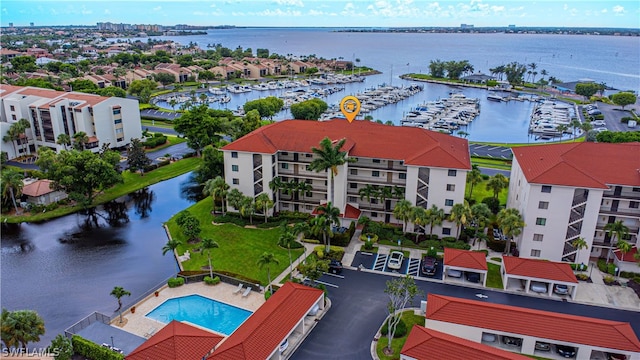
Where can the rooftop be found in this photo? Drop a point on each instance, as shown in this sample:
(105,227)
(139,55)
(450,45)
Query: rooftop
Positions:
(465,259)
(38,188)
(539,269)
(586,164)
(541,324)
(364,139)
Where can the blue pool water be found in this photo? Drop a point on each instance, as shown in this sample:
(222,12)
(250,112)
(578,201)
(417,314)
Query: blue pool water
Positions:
(199,310)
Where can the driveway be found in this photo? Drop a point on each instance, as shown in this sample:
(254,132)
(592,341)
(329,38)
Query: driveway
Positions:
(359,307)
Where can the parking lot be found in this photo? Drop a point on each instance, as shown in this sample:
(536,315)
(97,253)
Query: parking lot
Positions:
(379,262)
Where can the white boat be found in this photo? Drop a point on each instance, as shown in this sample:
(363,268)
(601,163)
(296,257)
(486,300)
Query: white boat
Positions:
(217,91)
(495,98)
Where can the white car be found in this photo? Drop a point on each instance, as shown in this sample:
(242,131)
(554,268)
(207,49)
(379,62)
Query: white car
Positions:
(395,260)
(601,129)
(598,123)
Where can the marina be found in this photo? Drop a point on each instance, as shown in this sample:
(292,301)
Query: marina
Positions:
(551,119)
(443,115)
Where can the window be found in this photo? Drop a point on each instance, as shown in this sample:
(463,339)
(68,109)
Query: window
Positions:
(14,117)
(535,253)
(308,167)
(120,139)
(352,199)
(543,205)
(119,131)
(353,185)
(116,111)
(375,173)
(537,237)
(374,214)
(285,153)
(453,172)
(546,188)
(374,201)
(354,171)
(236,181)
(308,181)
(234,167)
(285,205)
(284,165)
(541,221)
(402,176)
(234,154)
(448,202)
(633,205)
(451,187)
(446,231)
(307,155)
(636,189)
(13,108)
(117,121)
(376,161)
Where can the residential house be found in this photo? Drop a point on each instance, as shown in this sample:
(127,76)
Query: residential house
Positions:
(42,192)
(572,191)
(425,167)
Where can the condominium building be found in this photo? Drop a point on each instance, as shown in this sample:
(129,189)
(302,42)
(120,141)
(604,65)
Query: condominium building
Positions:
(105,120)
(427,168)
(571,191)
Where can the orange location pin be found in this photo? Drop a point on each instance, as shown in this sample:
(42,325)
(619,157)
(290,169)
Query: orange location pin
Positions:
(350,107)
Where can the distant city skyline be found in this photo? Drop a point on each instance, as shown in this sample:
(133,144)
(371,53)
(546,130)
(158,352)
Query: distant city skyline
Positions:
(329,13)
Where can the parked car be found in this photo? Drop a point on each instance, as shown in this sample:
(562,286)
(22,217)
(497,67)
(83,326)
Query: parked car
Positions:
(335,267)
(598,123)
(561,289)
(612,356)
(429,265)
(486,337)
(538,287)
(594,112)
(510,340)
(473,277)
(454,273)
(542,346)
(395,260)
(601,129)
(566,351)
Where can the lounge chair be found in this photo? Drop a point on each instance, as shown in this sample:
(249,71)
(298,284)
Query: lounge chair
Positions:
(238,289)
(246,292)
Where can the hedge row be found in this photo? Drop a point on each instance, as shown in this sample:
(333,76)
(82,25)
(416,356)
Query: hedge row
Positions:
(91,350)
(175,282)
(155,141)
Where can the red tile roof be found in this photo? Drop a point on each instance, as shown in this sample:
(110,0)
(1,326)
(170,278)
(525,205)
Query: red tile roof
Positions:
(423,343)
(540,269)
(465,259)
(590,165)
(541,324)
(629,256)
(38,188)
(263,332)
(176,341)
(349,213)
(364,139)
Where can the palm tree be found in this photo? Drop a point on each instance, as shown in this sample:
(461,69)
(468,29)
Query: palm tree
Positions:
(419,217)
(496,183)
(21,327)
(275,185)
(79,140)
(304,188)
(286,240)
(586,127)
(561,129)
(173,102)
(23,124)
(368,192)
(329,157)
(118,292)
(266,259)
(332,214)
(460,214)
(624,247)
(171,245)
(217,188)
(474,177)
(480,214)
(510,221)
(264,202)
(617,230)
(12,135)
(575,124)
(580,243)
(12,185)
(385,193)
(209,244)
(64,139)
(248,208)
(435,216)
(402,211)
(235,198)
(398,192)
(321,225)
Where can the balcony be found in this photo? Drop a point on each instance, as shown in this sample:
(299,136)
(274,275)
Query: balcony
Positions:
(625,195)
(627,213)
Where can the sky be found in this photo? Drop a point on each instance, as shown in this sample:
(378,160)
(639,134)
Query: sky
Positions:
(329,13)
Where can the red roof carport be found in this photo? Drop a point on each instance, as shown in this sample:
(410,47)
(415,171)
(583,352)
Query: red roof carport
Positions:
(548,272)
(466,260)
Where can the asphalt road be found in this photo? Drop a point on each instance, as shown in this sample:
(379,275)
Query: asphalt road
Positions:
(613,114)
(359,308)
(159,114)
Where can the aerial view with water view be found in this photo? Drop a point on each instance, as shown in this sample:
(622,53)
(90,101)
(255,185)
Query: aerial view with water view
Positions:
(306,179)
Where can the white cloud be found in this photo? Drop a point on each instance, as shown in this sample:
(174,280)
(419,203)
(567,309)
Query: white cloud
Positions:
(157,8)
(86,11)
(290,2)
(107,12)
(618,10)
(565,7)
(604,11)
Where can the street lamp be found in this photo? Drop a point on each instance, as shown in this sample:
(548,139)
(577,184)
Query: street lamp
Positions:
(112,342)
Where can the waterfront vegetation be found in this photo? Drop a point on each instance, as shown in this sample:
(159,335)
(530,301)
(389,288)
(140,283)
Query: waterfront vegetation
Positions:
(409,319)
(131,182)
(239,247)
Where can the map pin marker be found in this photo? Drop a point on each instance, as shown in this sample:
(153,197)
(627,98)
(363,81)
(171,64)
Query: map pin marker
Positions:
(350,107)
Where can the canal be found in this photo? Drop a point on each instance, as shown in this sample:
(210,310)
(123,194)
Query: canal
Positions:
(65,268)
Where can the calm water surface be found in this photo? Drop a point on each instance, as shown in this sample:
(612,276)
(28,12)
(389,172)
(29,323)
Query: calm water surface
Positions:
(65,268)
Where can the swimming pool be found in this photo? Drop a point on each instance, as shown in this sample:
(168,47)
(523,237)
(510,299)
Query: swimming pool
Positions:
(217,316)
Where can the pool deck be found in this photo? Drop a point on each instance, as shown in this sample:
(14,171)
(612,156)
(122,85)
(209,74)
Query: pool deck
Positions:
(138,324)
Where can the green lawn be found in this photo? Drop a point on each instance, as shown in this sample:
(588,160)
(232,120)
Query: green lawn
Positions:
(171,140)
(480,192)
(491,163)
(396,344)
(132,182)
(239,248)
(156,123)
(494,280)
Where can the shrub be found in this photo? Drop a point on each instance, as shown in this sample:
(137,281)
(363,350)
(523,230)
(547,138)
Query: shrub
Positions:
(92,350)
(609,279)
(368,245)
(335,252)
(492,203)
(583,277)
(175,282)
(458,245)
(602,265)
(401,329)
(449,239)
(365,237)
(311,241)
(267,294)
(209,281)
